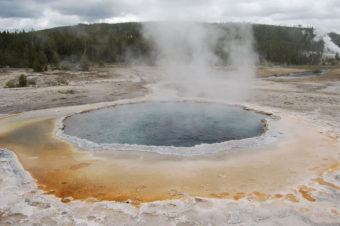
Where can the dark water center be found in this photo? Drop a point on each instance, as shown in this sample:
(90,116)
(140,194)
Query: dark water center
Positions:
(180,124)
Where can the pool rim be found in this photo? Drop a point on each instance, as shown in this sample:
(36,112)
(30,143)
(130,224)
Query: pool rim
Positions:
(269,135)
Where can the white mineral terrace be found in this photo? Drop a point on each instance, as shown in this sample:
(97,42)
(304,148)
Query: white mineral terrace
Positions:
(287,175)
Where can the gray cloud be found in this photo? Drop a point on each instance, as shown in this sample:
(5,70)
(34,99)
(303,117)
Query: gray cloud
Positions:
(91,10)
(19,8)
(39,14)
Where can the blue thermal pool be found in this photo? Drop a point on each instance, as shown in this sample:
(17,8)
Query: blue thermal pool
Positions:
(178,124)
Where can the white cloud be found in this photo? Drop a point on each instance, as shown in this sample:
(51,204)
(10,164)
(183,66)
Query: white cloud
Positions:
(47,20)
(122,19)
(39,14)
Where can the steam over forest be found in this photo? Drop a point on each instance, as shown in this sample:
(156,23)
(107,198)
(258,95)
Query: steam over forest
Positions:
(120,43)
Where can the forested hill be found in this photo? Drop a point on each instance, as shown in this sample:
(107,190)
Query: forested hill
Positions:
(112,43)
(290,45)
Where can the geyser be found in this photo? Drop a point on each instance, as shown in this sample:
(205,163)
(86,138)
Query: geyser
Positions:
(214,61)
(178,124)
(196,61)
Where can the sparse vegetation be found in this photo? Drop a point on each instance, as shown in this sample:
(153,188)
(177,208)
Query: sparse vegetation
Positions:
(20,82)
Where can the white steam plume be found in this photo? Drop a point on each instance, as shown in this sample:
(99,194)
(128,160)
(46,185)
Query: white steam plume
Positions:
(330,47)
(188,55)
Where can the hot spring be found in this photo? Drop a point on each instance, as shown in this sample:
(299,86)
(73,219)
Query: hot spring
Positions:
(174,124)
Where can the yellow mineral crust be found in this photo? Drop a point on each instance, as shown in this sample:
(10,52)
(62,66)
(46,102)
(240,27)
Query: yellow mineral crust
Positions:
(264,172)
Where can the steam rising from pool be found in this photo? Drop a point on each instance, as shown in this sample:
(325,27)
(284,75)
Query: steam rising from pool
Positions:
(177,124)
(215,61)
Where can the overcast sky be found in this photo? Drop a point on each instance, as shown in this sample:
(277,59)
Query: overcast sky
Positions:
(40,14)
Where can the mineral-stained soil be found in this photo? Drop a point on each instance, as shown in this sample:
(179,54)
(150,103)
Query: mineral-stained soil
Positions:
(313,103)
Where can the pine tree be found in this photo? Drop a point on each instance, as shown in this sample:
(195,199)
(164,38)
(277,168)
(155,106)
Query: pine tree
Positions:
(22,81)
(56,59)
(37,66)
(42,58)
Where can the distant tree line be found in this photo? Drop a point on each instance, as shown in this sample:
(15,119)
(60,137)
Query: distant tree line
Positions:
(118,43)
(290,45)
(97,43)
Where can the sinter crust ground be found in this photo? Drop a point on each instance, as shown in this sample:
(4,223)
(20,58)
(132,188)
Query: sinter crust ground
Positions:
(295,180)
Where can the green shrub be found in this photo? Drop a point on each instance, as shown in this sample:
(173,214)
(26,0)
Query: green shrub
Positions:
(10,84)
(22,81)
(65,67)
